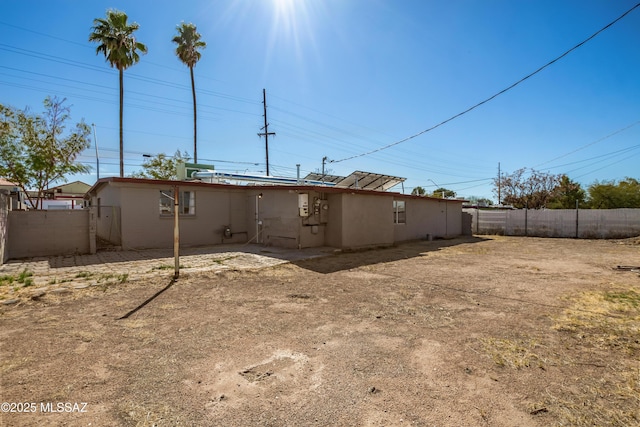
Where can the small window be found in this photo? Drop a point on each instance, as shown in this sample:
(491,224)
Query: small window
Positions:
(399,214)
(186,202)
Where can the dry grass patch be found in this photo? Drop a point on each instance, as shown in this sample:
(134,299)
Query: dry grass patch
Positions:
(141,415)
(600,402)
(10,364)
(516,354)
(607,320)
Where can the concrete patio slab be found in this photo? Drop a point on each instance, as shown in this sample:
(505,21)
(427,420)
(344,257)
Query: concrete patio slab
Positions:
(108,267)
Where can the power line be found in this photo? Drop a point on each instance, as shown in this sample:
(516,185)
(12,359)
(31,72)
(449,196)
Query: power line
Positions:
(606,166)
(85,45)
(611,153)
(495,95)
(132,75)
(588,145)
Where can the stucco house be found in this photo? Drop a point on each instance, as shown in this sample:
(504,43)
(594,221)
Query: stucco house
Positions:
(138,213)
(65,196)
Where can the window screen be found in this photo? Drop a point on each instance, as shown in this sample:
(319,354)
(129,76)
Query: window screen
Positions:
(399,214)
(186,202)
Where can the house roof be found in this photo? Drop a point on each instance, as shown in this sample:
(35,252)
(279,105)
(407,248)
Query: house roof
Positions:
(300,188)
(70,187)
(7,183)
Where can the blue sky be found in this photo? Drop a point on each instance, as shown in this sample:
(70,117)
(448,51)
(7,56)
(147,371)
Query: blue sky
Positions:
(346,77)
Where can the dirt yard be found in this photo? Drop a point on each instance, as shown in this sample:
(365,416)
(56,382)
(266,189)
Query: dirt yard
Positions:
(483,331)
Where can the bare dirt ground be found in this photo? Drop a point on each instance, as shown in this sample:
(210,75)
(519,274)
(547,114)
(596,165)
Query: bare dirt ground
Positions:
(483,331)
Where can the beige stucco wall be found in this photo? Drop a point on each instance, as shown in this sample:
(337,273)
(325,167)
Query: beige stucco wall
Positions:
(108,223)
(454,219)
(313,228)
(280,220)
(142,226)
(47,233)
(333,230)
(367,220)
(428,216)
(337,219)
(424,217)
(360,220)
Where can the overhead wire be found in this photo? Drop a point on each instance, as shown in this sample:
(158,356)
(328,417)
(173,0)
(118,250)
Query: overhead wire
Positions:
(333,128)
(606,166)
(88,46)
(420,163)
(495,95)
(589,145)
(349,145)
(617,152)
(132,75)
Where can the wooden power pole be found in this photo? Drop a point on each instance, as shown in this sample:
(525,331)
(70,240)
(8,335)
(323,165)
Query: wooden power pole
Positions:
(266,132)
(499,184)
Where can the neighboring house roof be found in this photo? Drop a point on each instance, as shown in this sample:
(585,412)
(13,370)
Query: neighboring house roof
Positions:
(71,190)
(320,189)
(76,188)
(7,183)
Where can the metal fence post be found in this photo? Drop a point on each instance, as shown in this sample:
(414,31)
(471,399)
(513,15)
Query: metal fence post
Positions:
(176,231)
(577,214)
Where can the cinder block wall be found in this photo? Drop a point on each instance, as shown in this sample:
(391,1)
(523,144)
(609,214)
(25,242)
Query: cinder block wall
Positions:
(47,233)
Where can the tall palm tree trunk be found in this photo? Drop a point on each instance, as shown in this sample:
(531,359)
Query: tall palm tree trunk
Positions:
(195,126)
(121,138)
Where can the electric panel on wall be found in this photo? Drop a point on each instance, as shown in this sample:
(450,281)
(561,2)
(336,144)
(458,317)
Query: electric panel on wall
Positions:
(303,205)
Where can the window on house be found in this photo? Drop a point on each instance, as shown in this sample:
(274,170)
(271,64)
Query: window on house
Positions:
(399,214)
(186,202)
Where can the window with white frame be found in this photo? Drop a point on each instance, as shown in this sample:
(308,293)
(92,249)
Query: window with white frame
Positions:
(186,202)
(399,214)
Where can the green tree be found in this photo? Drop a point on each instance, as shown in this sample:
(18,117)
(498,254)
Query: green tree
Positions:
(189,43)
(443,193)
(418,191)
(609,195)
(162,166)
(566,194)
(480,201)
(118,44)
(34,152)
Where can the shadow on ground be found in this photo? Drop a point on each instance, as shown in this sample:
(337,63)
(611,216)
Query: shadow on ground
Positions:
(322,260)
(358,258)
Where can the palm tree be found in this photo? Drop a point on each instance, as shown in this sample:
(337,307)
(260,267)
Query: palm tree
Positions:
(188,41)
(120,48)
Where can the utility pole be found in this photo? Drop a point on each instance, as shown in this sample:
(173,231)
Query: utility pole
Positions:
(95,140)
(499,184)
(266,132)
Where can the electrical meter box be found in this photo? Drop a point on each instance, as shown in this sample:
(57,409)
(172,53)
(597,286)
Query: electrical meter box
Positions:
(303,204)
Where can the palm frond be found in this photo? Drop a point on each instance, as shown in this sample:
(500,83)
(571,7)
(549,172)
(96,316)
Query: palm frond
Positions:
(116,39)
(188,42)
